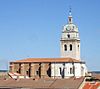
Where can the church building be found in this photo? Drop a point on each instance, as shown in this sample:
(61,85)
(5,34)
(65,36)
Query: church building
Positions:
(68,65)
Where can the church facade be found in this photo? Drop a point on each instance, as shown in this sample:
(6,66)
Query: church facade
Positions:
(69,65)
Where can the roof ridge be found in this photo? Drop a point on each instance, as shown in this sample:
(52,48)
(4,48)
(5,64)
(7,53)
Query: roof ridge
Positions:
(48,60)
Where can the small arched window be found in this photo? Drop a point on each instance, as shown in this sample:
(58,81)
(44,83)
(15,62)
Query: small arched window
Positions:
(70,47)
(68,36)
(65,47)
(78,46)
(70,20)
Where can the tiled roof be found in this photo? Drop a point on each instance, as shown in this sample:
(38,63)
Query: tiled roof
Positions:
(90,85)
(27,60)
(86,86)
(70,83)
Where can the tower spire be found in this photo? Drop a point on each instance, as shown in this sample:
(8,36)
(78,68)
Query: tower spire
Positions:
(70,11)
(70,19)
(70,41)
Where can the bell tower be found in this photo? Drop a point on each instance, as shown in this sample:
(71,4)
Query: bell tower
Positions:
(70,41)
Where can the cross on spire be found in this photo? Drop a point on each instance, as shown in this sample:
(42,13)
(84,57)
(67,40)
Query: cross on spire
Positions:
(70,19)
(70,11)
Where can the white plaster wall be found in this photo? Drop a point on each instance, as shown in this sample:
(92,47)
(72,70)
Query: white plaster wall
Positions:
(77,69)
(80,69)
(75,53)
(73,35)
(52,70)
(55,70)
(67,70)
(85,70)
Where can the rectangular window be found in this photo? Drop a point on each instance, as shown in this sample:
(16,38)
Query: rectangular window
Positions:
(70,47)
(71,71)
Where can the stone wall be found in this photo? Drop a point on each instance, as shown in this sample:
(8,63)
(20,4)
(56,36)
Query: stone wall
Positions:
(34,70)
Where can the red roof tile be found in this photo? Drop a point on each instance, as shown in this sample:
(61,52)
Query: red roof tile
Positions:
(70,83)
(86,86)
(91,85)
(48,60)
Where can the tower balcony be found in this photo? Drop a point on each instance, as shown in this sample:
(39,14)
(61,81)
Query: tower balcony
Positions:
(70,39)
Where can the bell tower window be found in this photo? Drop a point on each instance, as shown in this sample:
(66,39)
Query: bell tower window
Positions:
(69,19)
(65,47)
(70,47)
(68,36)
(78,46)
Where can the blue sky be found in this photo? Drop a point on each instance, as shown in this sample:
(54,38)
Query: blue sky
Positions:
(32,28)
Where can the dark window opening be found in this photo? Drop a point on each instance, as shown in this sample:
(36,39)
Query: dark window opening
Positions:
(78,45)
(70,47)
(60,71)
(69,19)
(74,70)
(71,71)
(27,72)
(65,47)
(68,36)
(19,71)
(63,64)
(37,72)
(66,29)
(49,72)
